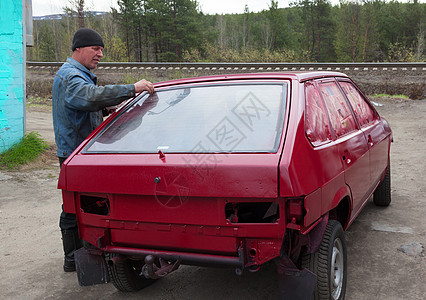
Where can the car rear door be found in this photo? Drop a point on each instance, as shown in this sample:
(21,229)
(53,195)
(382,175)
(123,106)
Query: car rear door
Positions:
(350,140)
(372,127)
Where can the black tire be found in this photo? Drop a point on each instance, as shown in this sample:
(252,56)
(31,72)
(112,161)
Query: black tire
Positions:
(382,194)
(125,275)
(329,264)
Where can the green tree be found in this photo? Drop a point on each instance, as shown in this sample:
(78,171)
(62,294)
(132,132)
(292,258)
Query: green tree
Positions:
(46,43)
(278,25)
(127,16)
(308,30)
(318,28)
(174,27)
(348,34)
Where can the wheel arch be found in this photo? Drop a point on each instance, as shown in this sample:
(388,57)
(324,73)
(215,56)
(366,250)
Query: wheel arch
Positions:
(341,211)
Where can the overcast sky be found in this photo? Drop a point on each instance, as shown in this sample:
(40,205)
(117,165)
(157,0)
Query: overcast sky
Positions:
(47,7)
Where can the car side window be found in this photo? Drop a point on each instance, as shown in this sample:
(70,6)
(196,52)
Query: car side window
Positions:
(317,126)
(363,112)
(341,117)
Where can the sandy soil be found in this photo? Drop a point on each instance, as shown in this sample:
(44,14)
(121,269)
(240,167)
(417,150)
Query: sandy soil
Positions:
(386,258)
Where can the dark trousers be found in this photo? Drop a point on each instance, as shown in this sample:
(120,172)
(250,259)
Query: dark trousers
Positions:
(70,237)
(67,221)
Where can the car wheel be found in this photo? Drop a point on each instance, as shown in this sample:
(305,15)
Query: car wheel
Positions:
(382,194)
(329,264)
(125,275)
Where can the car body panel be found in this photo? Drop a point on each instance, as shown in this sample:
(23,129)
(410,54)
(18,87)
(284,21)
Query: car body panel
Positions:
(354,153)
(136,174)
(231,207)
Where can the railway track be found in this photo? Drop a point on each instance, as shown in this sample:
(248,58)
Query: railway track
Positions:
(273,67)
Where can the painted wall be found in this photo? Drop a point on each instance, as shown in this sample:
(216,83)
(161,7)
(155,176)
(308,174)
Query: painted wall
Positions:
(12,83)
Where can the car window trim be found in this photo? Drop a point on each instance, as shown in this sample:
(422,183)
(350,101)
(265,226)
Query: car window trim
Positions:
(280,120)
(364,97)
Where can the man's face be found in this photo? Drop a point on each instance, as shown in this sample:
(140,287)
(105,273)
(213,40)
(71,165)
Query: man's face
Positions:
(90,56)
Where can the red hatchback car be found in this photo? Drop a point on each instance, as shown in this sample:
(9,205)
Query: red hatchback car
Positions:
(232,170)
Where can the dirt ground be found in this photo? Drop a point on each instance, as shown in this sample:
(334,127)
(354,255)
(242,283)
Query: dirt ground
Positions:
(386,257)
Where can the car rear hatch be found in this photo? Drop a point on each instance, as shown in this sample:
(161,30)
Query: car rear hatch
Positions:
(193,169)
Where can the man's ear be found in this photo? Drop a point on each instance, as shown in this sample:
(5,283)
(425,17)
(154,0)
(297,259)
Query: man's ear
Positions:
(76,53)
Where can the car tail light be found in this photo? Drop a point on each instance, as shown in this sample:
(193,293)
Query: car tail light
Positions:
(252,212)
(94,205)
(296,210)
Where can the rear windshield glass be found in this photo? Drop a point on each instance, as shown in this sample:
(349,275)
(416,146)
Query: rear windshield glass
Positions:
(201,119)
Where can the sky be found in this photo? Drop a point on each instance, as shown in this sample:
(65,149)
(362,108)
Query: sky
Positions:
(48,7)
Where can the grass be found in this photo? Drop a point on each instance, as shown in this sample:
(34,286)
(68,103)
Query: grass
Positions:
(393,96)
(27,150)
(130,78)
(35,101)
(39,100)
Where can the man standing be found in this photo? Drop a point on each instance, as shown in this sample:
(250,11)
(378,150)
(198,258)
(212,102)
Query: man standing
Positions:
(77,104)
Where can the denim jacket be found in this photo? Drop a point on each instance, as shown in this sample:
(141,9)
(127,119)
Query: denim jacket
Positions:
(77,104)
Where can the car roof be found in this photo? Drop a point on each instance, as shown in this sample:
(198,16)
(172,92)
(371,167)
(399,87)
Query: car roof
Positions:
(293,75)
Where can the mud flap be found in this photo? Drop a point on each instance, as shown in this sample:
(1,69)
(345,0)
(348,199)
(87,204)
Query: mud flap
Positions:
(91,268)
(296,284)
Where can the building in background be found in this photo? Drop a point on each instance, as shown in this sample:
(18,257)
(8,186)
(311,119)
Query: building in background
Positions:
(15,35)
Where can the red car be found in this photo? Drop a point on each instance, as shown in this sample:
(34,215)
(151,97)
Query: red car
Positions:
(232,170)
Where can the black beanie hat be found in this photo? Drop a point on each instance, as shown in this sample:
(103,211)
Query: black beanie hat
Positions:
(85,37)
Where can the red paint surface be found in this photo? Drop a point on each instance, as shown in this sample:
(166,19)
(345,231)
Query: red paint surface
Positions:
(166,204)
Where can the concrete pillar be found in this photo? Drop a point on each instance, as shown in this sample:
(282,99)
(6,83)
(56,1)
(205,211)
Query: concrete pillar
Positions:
(12,73)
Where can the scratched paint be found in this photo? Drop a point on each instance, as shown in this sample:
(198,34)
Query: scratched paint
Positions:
(11,73)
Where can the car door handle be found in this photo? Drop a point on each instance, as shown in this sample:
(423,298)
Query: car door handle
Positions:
(346,157)
(370,141)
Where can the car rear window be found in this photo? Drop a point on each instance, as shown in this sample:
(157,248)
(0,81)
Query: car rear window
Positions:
(201,119)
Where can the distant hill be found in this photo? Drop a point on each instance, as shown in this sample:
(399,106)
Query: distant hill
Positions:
(59,16)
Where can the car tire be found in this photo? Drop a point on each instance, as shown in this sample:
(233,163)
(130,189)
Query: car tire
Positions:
(382,194)
(125,275)
(329,264)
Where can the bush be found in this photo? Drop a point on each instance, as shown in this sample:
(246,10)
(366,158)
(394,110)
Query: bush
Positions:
(213,53)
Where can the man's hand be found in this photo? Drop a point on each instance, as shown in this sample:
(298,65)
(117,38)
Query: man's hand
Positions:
(111,109)
(144,85)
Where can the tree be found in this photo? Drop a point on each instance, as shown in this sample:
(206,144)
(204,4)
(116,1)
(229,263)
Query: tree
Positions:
(115,49)
(127,16)
(319,28)
(308,30)
(46,43)
(347,42)
(174,27)
(76,8)
(370,36)
(279,26)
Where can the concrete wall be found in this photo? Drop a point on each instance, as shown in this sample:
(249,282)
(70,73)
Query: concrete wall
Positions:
(12,76)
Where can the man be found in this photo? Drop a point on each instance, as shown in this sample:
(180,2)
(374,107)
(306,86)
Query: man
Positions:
(77,110)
